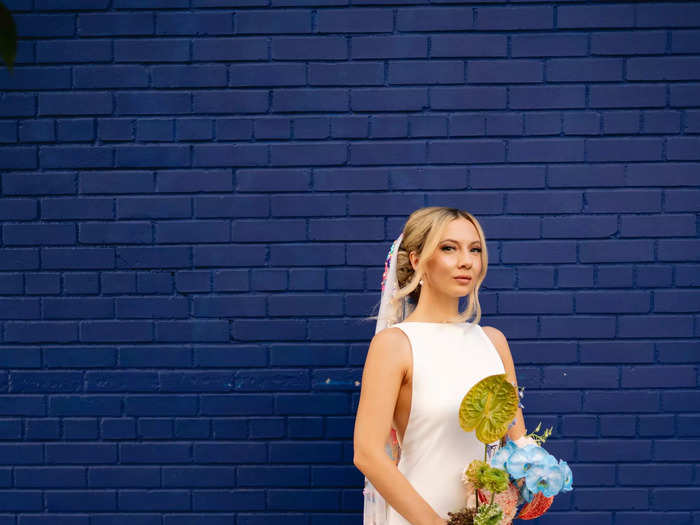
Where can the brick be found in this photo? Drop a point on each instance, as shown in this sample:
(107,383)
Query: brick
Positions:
(37,131)
(453,98)
(144,50)
(546,150)
(46,25)
(197,23)
(468,45)
(509,18)
(350,74)
(389,126)
(230,102)
(55,477)
(229,49)
(324,154)
(548,45)
(328,99)
(684,41)
(108,24)
(112,76)
(80,130)
(620,15)
(273,128)
(38,234)
(22,500)
(267,75)
(309,48)
(378,46)
(121,476)
(73,51)
(75,104)
(684,95)
(454,151)
(191,129)
(152,103)
(676,14)
(58,157)
(355,20)
(395,153)
(115,129)
(628,43)
(37,79)
(615,149)
(435,19)
(277,21)
(137,156)
(683,148)
(625,96)
(547,97)
(69,308)
(504,71)
(667,68)
(585,69)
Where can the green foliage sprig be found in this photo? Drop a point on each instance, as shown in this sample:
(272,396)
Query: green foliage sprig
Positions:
(8,37)
(540,438)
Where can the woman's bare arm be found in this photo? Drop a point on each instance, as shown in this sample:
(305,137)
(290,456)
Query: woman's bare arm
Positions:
(501,343)
(381,381)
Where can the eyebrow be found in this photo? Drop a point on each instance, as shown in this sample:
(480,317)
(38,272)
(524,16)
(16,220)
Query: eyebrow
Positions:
(452,240)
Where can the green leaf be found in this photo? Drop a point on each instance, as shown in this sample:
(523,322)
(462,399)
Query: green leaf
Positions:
(8,37)
(488,408)
(489,514)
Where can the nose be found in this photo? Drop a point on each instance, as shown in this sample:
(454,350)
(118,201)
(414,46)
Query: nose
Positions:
(464,260)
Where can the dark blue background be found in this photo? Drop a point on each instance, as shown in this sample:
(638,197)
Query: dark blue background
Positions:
(197,199)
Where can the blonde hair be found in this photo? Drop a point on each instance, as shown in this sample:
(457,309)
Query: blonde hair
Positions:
(422,233)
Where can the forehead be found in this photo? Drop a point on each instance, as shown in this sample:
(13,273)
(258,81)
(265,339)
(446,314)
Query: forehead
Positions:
(460,230)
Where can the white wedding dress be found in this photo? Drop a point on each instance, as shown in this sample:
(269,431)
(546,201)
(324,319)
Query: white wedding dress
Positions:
(448,360)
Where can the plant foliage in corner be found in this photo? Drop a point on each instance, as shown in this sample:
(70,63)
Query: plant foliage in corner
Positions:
(8,37)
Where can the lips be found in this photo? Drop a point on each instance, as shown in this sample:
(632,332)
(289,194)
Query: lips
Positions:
(463,279)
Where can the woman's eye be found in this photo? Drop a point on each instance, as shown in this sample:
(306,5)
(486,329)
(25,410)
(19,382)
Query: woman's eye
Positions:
(444,248)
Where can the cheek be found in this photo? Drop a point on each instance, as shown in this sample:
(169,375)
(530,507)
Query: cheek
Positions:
(439,264)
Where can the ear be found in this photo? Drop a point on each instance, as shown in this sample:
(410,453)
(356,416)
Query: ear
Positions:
(413,258)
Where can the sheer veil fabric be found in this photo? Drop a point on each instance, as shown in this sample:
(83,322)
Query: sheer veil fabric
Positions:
(390,312)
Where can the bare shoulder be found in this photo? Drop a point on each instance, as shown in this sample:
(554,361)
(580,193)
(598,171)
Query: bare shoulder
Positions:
(497,337)
(392,345)
(501,343)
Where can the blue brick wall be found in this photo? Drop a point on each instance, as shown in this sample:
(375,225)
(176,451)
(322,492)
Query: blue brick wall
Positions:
(197,197)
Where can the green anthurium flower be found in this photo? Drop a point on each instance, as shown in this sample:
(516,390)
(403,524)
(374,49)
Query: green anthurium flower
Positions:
(488,407)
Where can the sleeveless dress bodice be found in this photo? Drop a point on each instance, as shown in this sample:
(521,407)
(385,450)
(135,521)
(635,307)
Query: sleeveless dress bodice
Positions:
(448,360)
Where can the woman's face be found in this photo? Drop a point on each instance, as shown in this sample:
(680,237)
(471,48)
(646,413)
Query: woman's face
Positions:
(458,254)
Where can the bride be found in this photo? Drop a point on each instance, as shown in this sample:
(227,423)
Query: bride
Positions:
(425,355)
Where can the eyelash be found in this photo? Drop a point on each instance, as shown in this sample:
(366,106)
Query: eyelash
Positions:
(443,248)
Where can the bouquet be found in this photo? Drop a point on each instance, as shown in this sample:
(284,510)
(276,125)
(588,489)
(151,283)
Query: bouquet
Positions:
(520,472)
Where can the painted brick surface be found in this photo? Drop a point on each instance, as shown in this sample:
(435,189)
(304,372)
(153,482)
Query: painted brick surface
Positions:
(197,197)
